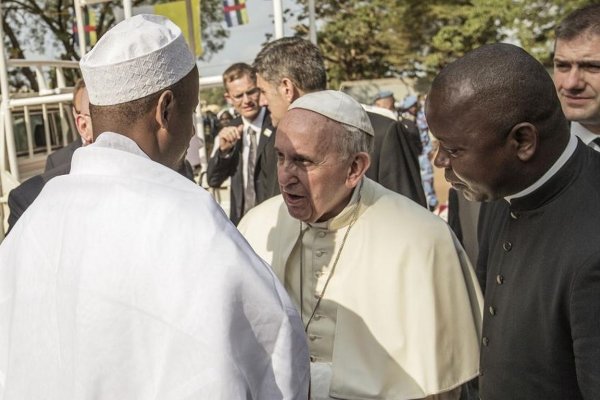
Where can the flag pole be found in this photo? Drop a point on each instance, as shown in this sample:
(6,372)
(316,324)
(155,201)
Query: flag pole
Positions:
(311,22)
(127,8)
(278,18)
(80,28)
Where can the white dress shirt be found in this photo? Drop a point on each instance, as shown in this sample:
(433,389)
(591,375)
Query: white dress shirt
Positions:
(585,135)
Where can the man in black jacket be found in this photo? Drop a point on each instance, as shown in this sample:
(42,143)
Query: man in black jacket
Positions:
(505,140)
(241,146)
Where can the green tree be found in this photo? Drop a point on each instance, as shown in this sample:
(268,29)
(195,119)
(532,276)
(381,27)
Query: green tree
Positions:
(463,26)
(536,22)
(358,39)
(373,39)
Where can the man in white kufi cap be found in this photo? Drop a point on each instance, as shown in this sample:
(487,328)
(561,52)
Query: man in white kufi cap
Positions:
(125,280)
(390,304)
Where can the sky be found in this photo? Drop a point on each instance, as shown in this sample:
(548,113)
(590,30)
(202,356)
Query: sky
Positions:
(245,41)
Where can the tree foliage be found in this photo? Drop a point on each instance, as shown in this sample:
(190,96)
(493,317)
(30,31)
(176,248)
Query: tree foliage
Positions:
(45,27)
(373,39)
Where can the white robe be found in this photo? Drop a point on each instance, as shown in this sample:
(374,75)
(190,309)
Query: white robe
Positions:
(124,280)
(409,306)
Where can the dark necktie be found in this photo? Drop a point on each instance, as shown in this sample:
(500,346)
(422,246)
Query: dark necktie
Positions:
(249,191)
(597,143)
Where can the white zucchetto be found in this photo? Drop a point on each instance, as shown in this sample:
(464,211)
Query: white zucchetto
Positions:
(337,106)
(138,57)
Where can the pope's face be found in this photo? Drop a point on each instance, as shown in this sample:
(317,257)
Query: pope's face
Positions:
(312,174)
(577,79)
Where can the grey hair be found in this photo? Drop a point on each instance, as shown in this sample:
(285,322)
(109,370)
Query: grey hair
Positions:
(294,58)
(352,140)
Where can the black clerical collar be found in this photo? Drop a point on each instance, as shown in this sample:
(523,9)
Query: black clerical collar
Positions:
(558,164)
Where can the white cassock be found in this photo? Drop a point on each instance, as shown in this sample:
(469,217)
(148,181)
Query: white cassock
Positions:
(401,316)
(124,280)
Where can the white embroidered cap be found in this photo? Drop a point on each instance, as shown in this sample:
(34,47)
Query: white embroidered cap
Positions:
(138,57)
(337,106)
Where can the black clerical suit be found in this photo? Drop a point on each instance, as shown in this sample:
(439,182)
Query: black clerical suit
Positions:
(395,158)
(222,166)
(541,329)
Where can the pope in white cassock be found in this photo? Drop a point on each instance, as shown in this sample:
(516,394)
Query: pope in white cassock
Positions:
(124,280)
(390,304)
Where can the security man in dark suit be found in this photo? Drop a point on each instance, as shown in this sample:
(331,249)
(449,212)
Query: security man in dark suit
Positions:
(242,145)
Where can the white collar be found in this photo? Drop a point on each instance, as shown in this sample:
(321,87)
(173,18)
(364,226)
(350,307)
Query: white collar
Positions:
(117,141)
(564,157)
(256,123)
(583,133)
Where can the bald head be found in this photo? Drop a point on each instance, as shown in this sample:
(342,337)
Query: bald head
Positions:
(502,83)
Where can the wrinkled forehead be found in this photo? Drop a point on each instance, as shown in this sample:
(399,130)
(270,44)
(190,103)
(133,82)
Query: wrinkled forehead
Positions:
(301,120)
(307,125)
(580,47)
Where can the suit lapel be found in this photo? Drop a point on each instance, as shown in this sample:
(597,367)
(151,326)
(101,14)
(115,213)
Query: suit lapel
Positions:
(266,134)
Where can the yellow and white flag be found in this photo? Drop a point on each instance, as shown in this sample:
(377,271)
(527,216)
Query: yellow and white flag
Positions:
(176,12)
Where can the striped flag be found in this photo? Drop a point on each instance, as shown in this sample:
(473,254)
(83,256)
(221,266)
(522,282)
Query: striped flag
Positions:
(89,27)
(235,12)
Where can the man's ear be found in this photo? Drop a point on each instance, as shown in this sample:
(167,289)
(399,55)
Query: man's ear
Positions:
(164,109)
(84,128)
(288,90)
(359,165)
(228,98)
(525,137)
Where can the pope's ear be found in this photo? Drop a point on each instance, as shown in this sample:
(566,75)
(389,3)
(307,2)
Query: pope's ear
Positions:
(164,109)
(357,169)
(525,137)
